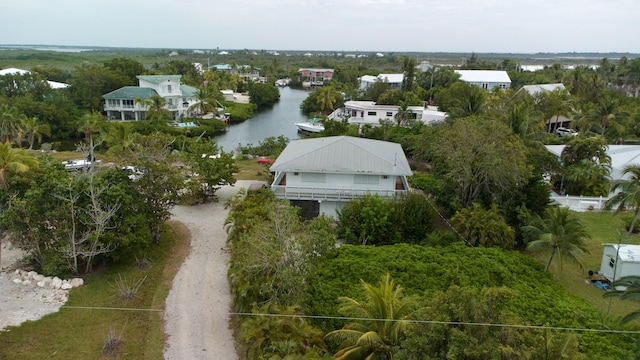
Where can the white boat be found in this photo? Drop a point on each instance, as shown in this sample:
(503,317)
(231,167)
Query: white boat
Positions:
(311,126)
(76,165)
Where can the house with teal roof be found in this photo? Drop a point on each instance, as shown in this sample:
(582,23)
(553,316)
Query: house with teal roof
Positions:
(120,104)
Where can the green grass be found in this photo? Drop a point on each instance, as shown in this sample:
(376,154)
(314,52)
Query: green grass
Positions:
(80,333)
(251,170)
(604,227)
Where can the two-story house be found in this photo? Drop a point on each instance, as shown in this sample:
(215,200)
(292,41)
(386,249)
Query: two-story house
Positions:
(316,77)
(369,113)
(322,174)
(121,105)
(486,79)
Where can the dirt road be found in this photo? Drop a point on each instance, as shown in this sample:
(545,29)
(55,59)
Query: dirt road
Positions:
(196,316)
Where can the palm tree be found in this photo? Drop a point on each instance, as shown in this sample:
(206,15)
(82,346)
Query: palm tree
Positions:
(11,123)
(560,232)
(327,98)
(524,120)
(120,138)
(205,101)
(631,291)
(155,108)
(14,160)
(382,320)
(404,116)
(91,123)
(35,130)
(604,113)
(627,194)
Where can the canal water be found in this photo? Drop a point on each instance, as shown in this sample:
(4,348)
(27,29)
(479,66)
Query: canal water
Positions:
(274,121)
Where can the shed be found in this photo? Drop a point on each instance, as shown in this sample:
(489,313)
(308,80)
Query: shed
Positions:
(619,260)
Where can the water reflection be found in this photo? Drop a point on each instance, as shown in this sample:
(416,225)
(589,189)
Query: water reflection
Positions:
(270,122)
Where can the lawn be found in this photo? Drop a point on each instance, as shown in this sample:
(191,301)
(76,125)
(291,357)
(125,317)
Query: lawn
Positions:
(251,170)
(81,333)
(604,227)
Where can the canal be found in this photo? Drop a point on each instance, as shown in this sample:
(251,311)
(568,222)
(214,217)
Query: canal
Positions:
(274,121)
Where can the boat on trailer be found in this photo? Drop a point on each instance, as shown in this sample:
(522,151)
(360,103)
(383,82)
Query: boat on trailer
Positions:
(311,126)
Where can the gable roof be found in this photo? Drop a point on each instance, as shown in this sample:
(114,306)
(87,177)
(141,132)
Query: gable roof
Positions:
(157,79)
(188,91)
(130,92)
(343,154)
(542,88)
(488,76)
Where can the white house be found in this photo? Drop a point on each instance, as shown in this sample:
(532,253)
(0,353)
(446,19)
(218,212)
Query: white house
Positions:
(322,174)
(486,79)
(620,260)
(533,90)
(120,104)
(621,156)
(12,71)
(394,81)
(368,112)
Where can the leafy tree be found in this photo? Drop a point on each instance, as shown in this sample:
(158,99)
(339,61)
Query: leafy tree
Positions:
(484,227)
(605,112)
(524,120)
(263,94)
(127,67)
(560,232)
(214,167)
(89,83)
(409,71)
(462,99)
(586,166)
(627,194)
(91,123)
(554,104)
(382,321)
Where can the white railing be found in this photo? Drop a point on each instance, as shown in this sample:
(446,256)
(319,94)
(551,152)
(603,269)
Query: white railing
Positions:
(580,203)
(314,193)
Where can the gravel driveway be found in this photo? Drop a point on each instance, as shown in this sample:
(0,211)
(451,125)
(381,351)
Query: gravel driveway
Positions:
(197,308)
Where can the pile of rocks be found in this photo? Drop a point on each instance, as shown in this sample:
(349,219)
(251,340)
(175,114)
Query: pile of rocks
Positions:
(21,277)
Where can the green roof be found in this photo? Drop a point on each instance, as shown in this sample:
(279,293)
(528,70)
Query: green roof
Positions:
(188,91)
(157,79)
(130,92)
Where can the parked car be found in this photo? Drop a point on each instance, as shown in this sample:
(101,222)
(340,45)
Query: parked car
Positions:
(265,160)
(562,132)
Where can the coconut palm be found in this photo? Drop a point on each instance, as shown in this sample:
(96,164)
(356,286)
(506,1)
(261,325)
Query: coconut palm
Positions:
(205,101)
(627,194)
(91,123)
(631,285)
(155,107)
(560,232)
(11,123)
(382,320)
(604,113)
(524,120)
(327,98)
(35,130)
(14,160)
(120,138)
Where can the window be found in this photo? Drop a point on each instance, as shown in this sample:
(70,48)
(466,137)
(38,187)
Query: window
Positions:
(612,262)
(169,88)
(389,114)
(127,103)
(366,179)
(313,177)
(371,113)
(113,102)
(485,86)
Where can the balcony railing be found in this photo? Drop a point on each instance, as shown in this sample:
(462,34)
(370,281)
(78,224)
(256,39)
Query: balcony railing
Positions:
(315,193)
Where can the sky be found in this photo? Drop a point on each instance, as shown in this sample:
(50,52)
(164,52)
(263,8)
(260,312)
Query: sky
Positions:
(482,26)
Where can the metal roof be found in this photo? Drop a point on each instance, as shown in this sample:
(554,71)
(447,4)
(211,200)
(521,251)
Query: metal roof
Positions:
(542,88)
(487,76)
(188,91)
(157,79)
(626,252)
(343,154)
(130,92)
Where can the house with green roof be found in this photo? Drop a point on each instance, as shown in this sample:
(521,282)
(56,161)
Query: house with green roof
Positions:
(120,104)
(322,174)
(247,73)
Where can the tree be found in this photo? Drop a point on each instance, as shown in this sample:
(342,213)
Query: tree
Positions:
(327,98)
(155,107)
(205,101)
(382,321)
(120,139)
(91,123)
(555,103)
(586,166)
(214,167)
(35,130)
(263,94)
(605,112)
(560,232)
(631,286)
(484,227)
(409,71)
(11,123)
(627,194)
(524,120)
(13,160)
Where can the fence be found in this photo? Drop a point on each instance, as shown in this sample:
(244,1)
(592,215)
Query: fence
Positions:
(580,203)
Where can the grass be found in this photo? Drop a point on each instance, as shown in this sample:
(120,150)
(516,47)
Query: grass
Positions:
(251,170)
(604,227)
(81,333)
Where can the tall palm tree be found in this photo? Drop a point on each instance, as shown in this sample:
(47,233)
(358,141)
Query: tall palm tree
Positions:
(560,232)
(35,130)
(524,120)
(91,123)
(604,113)
(627,194)
(327,98)
(205,101)
(155,108)
(14,160)
(383,318)
(11,123)
(631,285)
(120,138)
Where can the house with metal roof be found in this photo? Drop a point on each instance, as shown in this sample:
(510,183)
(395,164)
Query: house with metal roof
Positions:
(322,174)
(486,79)
(369,113)
(246,72)
(394,81)
(120,104)
(536,89)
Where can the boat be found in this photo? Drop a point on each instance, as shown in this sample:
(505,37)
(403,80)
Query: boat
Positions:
(311,126)
(77,165)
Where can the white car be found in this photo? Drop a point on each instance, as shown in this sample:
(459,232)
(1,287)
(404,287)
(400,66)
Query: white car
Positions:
(561,132)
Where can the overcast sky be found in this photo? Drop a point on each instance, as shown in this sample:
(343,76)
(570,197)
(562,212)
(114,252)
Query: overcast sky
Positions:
(519,26)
